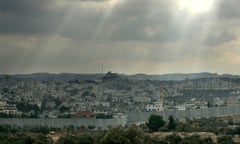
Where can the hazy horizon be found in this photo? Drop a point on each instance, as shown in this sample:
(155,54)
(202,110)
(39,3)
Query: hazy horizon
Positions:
(130,37)
(92,73)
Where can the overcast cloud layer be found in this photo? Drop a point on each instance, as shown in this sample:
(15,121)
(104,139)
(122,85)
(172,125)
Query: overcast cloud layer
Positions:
(127,36)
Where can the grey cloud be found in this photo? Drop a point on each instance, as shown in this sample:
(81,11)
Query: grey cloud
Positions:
(23,6)
(229,9)
(127,21)
(222,38)
(79,35)
(49,17)
(130,22)
(99,1)
(14,60)
(26,17)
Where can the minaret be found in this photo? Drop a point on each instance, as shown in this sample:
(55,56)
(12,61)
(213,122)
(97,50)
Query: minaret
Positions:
(161,97)
(98,91)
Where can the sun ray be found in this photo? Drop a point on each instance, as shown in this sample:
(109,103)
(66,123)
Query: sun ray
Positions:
(195,11)
(194,7)
(110,7)
(45,49)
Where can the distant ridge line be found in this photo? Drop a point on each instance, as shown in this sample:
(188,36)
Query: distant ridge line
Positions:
(141,76)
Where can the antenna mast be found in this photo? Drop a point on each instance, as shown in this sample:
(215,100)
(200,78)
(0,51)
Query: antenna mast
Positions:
(102,69)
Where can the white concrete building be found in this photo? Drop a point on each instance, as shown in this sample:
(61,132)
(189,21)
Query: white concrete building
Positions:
(156,106)
(8,108)
(180,107)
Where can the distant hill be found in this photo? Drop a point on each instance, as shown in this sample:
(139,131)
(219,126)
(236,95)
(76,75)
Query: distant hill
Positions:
(53,76)
(162,77)
(174,76)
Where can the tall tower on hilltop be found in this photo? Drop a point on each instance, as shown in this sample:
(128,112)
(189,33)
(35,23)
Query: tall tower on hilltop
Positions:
(102,69)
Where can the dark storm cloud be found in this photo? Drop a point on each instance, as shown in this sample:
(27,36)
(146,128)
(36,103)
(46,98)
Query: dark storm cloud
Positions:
(64,17)
(23,6)
(222,38)
(23,17)
(149,20)
(126,21)
(80,35)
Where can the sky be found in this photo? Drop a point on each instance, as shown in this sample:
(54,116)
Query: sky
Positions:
(125,36)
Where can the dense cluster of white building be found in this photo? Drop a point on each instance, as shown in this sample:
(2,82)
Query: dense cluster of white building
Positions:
(55,98)
(8,108)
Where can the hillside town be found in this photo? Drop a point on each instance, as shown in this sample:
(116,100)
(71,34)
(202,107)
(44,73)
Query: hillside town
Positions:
(112,95)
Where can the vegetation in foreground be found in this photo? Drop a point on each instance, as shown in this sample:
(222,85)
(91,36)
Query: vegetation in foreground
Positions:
(155,131)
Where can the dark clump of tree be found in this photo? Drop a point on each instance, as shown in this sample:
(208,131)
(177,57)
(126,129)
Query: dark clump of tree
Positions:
(65,116)
(86,93)
(63,109)
(173,139)
(25,139)
(171,123)
(155,122)
(103,116)
(24,107)
(82,139)
(176,139)
(225,140)
(4,115)
(195,139)
(131,135)
(119,135)
(40,129)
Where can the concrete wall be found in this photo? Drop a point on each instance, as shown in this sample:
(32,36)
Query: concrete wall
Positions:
(134,117)
(130,118)
(61,122)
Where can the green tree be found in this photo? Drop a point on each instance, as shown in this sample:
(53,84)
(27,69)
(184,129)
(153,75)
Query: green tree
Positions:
(196,139)
(230,122)
(155,122)
(172,139)
(135,135)
(86,139)
(63,109)
(66,140)
(225,140)
(115,136)
(120,135)
(171,123)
